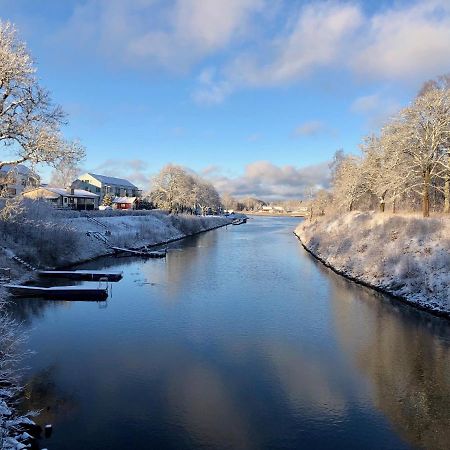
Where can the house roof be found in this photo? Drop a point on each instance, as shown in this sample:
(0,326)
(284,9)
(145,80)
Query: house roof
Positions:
(111,180)
(124,200)
(19,168)
(66,193)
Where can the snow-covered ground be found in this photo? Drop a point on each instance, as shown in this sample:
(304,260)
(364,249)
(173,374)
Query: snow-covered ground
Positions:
(62,240)
(404,255)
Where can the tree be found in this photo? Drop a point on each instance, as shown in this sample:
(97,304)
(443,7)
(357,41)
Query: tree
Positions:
(348,183)
(64,174)
(421,132)
(172,189)
(107,200)
(30,124)
(441,83)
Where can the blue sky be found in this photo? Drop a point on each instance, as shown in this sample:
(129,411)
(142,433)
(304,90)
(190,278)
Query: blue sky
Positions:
(254,94)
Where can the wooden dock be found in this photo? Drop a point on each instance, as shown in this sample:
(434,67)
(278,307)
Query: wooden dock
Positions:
(145,253)
(82,293)
(87,275)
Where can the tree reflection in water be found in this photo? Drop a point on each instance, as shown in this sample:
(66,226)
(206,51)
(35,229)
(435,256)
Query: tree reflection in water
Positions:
(43,395)
(405,354)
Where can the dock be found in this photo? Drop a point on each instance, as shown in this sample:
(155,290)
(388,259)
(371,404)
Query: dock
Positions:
(82,293)
(87,275)
(145,253)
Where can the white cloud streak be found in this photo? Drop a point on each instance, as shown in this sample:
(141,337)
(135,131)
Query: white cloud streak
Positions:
(409,43)
(263,179)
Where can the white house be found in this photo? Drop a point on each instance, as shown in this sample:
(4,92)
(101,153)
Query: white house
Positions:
(65,198)
(103,185)
(14,179)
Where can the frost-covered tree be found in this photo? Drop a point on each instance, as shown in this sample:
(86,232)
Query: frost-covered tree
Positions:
(172,188)
(177,190)
(107,200)
(30,123)
(348,183)
(421,134)
(64,174)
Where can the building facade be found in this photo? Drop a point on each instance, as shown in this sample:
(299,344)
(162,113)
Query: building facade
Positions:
(61,198)
(15,179)
(103,185)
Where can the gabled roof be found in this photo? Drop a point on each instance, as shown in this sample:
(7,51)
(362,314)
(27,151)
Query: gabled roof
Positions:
(66,193)
(124,200)
(111,180)
(19,168)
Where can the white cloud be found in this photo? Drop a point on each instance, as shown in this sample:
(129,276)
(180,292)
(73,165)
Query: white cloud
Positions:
(310,128)
(174,34)
(405,44)
(265,180)
(375,107)
(134,170)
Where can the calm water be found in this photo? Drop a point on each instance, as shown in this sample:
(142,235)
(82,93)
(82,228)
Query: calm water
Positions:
(239,340)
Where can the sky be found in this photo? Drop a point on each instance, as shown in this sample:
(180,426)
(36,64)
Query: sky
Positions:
(255,95)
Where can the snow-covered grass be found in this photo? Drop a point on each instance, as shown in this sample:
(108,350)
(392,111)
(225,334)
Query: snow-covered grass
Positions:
(47,238)
(404,255)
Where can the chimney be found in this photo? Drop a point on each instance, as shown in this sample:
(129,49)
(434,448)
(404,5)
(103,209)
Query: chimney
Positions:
(70,190)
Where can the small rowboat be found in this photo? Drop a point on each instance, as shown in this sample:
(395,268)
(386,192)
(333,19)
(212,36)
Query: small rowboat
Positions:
(84,293)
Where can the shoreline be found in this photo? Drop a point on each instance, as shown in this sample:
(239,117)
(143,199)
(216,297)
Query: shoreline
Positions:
(385,291)
(159,244)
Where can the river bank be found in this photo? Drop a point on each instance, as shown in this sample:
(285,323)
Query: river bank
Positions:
(60,240)
(404,256)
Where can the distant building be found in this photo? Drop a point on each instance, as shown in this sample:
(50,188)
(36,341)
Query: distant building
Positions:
(125,202)
(15,179)
(103,185)
(78,199)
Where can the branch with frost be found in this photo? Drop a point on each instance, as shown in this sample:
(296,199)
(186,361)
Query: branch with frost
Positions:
(30,124)
(11,422)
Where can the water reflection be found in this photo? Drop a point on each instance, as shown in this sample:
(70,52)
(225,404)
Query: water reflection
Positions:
(239,340)
(42,394)
(405,355)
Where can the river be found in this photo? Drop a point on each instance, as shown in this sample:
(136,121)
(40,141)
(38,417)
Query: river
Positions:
(238,340)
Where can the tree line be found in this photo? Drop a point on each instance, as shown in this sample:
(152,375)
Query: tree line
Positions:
(177,190)
(405,165)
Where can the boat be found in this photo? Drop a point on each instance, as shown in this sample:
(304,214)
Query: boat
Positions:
(84,293)
(88,275)
(239,221)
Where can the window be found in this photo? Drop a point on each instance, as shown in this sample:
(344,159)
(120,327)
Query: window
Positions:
(65,199)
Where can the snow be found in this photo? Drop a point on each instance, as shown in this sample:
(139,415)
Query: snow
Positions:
(129,200)
(111,180)
(67,193)
(19,168)
(403,255)
(54,239)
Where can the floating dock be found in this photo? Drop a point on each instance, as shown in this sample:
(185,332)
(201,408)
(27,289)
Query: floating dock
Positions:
(82,293)
(239,221)
(87,275)
(144,253)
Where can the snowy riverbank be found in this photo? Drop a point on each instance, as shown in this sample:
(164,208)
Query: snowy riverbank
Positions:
(62,240)
(405,256)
